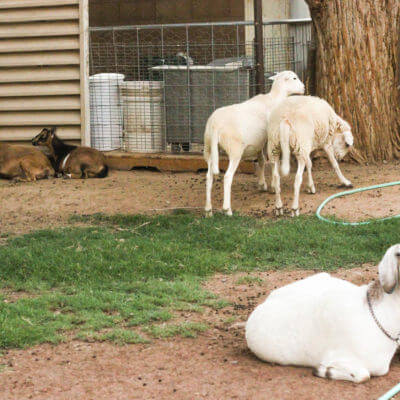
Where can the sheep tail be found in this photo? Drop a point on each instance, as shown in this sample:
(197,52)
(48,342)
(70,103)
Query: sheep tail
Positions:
(284,133)
(211,146)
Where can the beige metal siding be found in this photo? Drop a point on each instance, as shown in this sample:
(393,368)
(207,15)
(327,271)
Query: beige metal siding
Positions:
(43,68)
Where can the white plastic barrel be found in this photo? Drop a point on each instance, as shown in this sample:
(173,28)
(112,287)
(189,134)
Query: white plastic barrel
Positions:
(143,116)
(106,111)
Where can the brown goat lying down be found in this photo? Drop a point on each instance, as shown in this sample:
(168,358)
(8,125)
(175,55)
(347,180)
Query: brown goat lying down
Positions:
(23,163)
(72,161)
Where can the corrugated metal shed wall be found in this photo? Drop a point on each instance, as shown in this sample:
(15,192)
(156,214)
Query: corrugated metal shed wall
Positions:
(43,68)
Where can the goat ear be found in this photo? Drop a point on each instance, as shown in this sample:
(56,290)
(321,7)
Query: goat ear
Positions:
(389,269)
(348,138)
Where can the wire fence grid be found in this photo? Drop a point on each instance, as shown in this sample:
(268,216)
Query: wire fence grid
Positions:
(153,87)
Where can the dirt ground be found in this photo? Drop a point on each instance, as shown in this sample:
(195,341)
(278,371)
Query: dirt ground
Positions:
(27,206)
(216,365)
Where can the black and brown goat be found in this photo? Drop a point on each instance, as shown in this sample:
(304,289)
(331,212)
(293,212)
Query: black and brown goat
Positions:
(72,161)
(23,163)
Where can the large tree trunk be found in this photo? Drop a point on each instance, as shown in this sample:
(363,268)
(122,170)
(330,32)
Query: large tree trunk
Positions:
(358,69)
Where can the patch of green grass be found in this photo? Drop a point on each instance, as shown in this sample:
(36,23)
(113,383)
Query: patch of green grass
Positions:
(248,279)
(117,336)
(185,329)
(129,272)
(49,317)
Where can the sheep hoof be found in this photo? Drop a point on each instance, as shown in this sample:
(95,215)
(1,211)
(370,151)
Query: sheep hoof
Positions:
(272,190)
(278,211)
(315,372)
(295,212)
(320,372)
(311,189)
(346,185)
(262,187)
(228,211)
(209,213)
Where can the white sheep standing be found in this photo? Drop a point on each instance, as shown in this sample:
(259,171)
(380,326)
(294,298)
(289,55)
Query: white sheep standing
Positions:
(303,124)
(344,331)
(241,130)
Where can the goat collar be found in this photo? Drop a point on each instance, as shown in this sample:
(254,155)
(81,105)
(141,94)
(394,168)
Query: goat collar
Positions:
(65,161)
(384,331)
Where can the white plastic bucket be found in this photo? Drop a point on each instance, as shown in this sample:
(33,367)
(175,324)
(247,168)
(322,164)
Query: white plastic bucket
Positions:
(106,117)
(143,116)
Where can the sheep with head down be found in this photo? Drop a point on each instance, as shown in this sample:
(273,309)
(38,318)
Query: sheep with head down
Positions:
(241,131)
(302,124)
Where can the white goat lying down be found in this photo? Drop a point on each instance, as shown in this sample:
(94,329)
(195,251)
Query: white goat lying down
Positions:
(344,331)
(241,130)
(303,124)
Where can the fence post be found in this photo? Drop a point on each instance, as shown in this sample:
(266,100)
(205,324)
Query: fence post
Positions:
(259,46)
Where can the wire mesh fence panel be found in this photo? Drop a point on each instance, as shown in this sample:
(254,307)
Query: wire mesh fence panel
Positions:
(153,87)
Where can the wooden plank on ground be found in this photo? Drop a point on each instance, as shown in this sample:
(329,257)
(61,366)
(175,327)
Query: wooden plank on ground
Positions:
(168,162)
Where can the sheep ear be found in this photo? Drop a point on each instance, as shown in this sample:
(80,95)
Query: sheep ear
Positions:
(272,78)
(348,138)
(389,269)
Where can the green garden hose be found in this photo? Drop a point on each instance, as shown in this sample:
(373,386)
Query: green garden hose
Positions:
(392,392)
(396,389)
(348,192)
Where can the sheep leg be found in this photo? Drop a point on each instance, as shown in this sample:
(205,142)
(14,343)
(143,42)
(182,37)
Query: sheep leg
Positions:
(274,161)
(297,184)
(260,172)
(310,184)
(276,184)
(335,166)
(209,184)
(348,369)
(230,172)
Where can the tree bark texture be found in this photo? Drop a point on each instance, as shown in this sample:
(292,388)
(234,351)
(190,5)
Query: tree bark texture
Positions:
(357,71)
